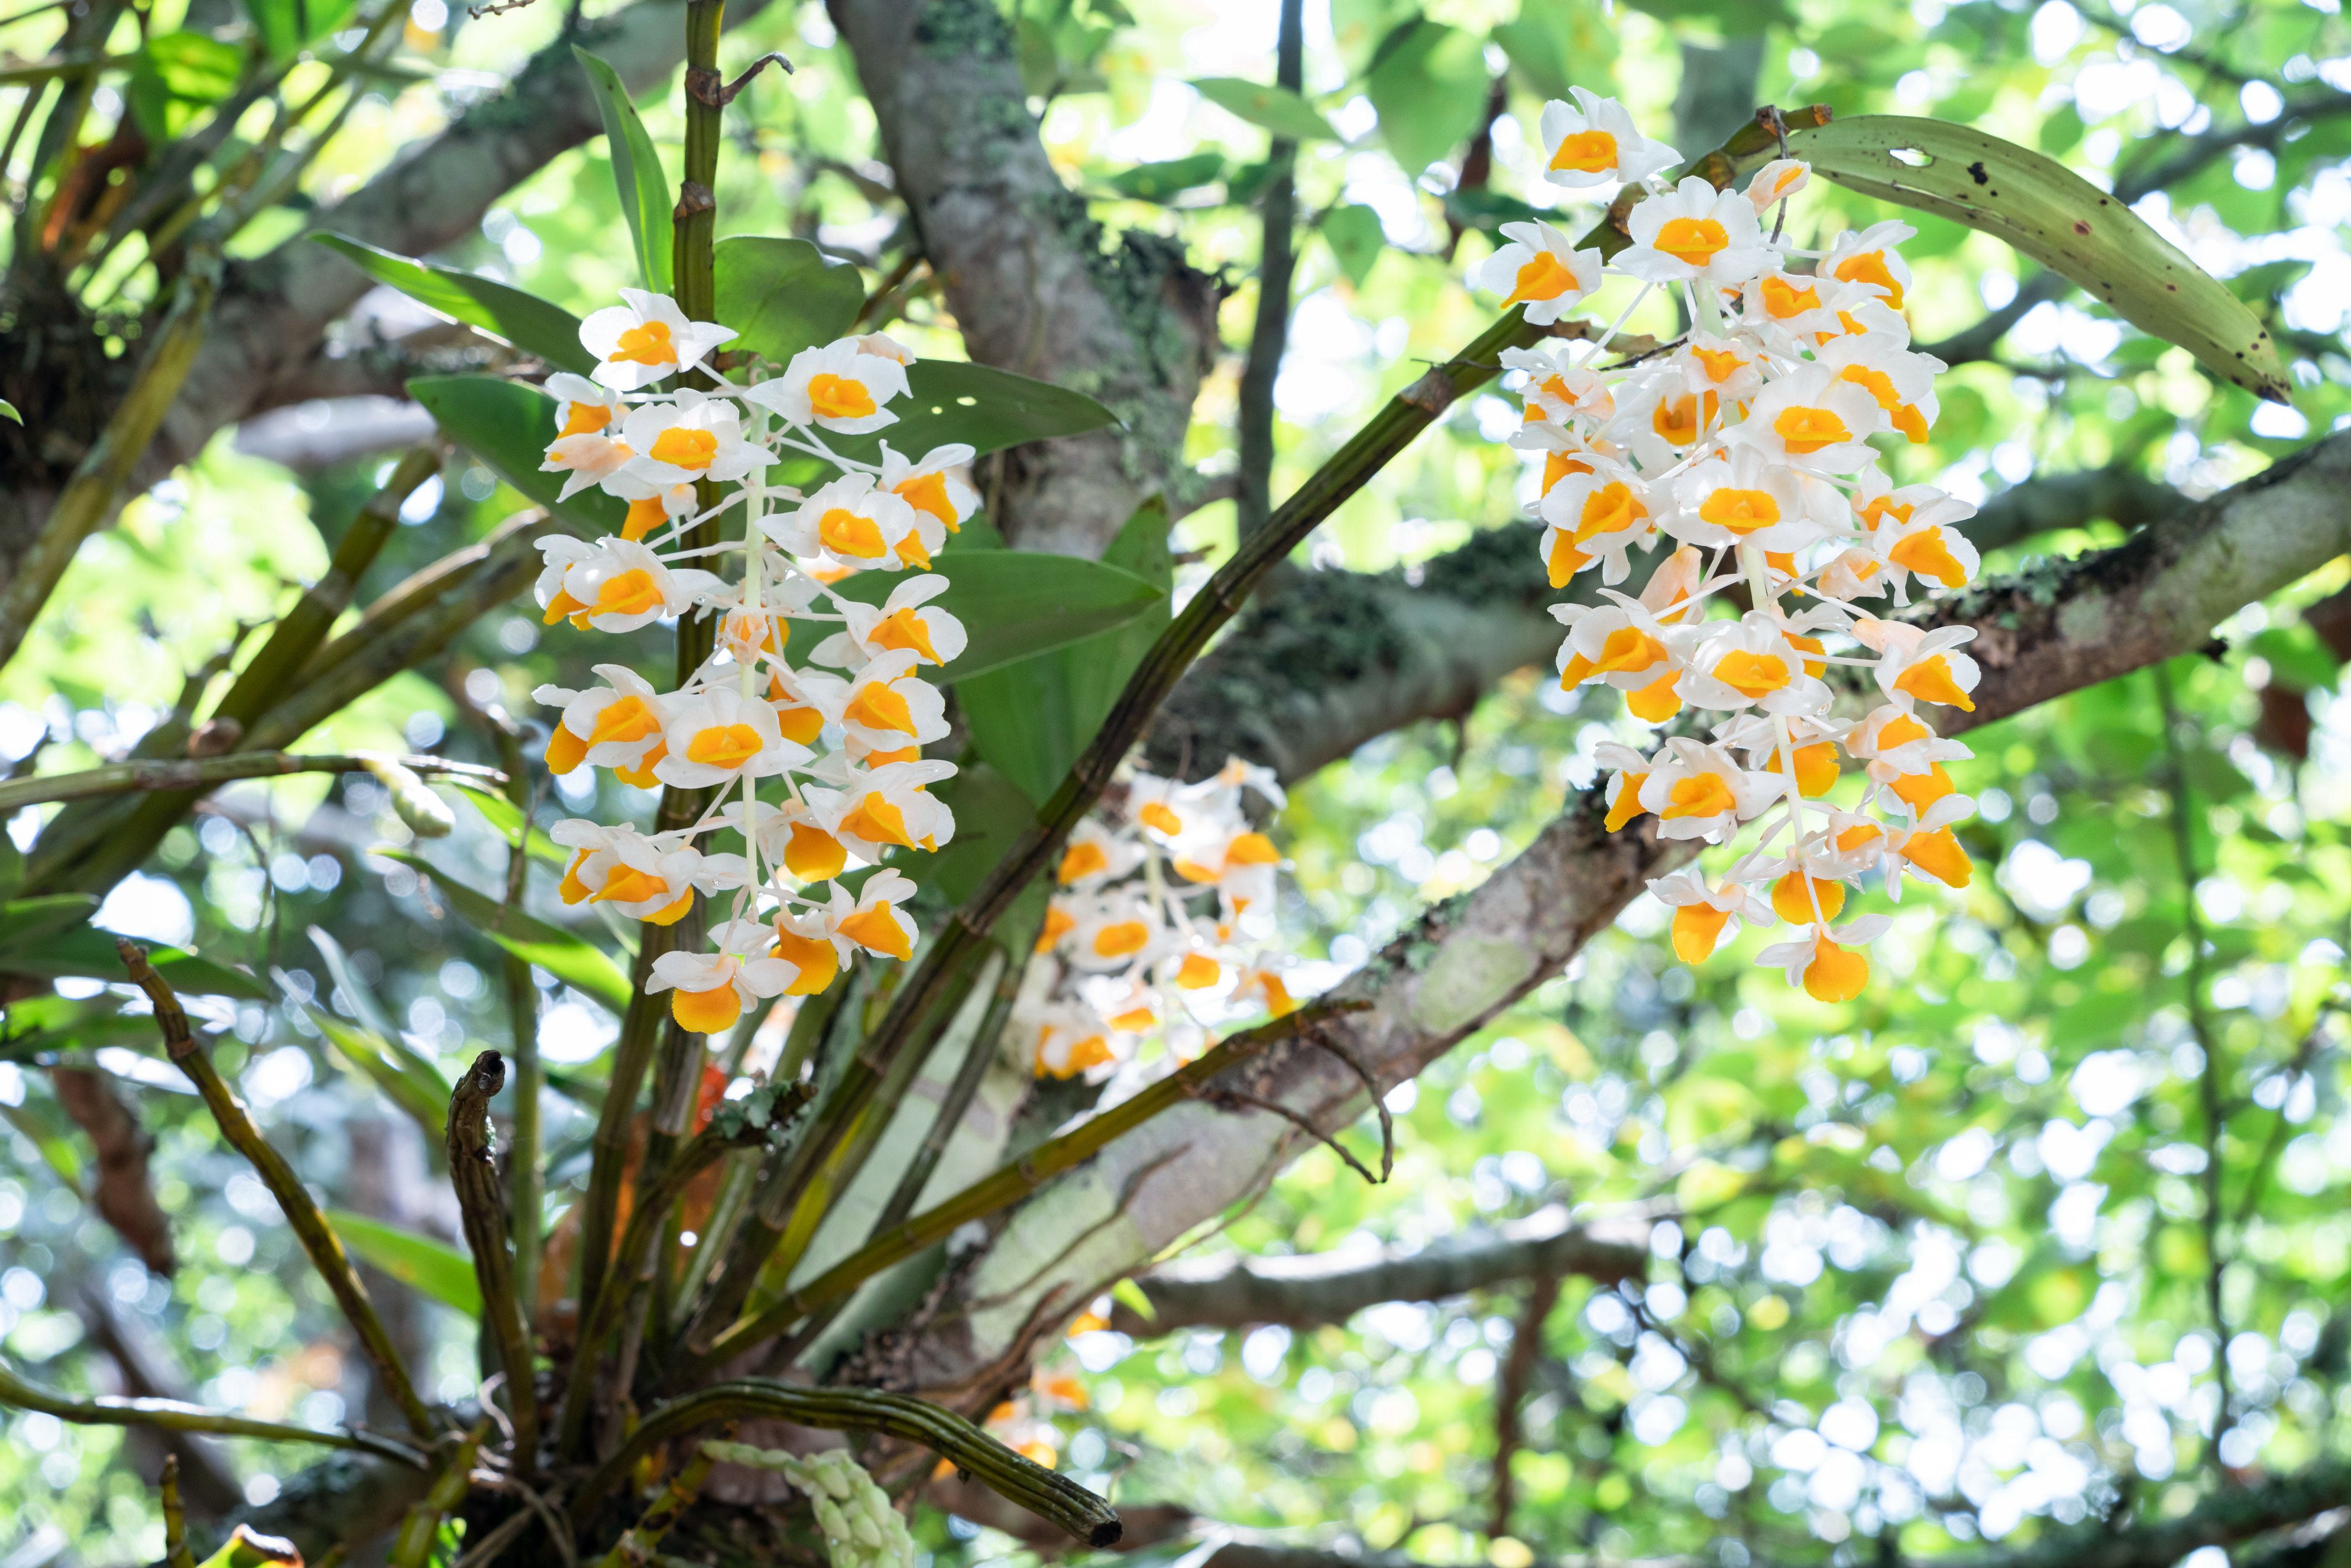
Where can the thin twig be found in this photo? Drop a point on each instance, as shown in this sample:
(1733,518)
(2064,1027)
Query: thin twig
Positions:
(1510,1393)
(202,773)
(2208,1082)
(302,1215)
(173,1416)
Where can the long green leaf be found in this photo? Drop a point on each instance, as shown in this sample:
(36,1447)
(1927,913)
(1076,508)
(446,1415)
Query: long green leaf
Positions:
(570,959)
(22,919)
(644,192)
(1277,109)
(88,954)
(501,814)
(535,326)
(403,1078)
(783,294)
(358,995)
(508,426)
(2060,220)
(1016,605)
(1030,719)
(49,1137)
(438,1270)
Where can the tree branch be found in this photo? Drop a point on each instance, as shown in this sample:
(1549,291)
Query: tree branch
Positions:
(1026,272)
(1241,1291)
(124,1197)
(2054,629)
(302,1216)
(1334,658)
(203,772)
(170,1416)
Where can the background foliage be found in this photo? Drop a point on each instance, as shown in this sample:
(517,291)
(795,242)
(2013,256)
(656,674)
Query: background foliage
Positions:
(2048,1222)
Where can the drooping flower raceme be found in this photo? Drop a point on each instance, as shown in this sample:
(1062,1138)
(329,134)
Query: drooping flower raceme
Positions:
(812,771)
(1739,460)
(1161,923)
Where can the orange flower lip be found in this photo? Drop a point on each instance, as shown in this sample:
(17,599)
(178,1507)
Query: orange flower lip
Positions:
(1692,241)
(1586,152)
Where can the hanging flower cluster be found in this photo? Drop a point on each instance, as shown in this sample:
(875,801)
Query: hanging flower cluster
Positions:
(1162,923)
(836,740)
(1745,444)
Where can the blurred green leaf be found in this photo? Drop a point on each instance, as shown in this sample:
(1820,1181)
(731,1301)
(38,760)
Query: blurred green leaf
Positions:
(181,76)
(1429,87)
(571,959)
(1554,44)
(525,321)
(287,26)
(1276,109)
(1159,181)
(410,1081)
(86,953)
(1357,238)
(783,294)
(434,1268)
(501,814)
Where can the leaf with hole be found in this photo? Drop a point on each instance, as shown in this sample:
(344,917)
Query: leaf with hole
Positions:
(423,1263)
(645,198)
(508,425)
(2060,220)
(534,325)
(783,294)
(979,405)
(1017,604)
(1276,109)
(571,959)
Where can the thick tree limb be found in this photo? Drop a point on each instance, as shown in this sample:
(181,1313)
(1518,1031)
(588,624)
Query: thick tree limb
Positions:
(1026,272)
(2054,629)
(1240,1292)
(1335,658)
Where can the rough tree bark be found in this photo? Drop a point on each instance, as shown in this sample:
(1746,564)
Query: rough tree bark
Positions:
(1032,284)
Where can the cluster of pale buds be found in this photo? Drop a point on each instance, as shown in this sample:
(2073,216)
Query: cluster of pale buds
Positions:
(1161,923)
(1738,459)
(836,741)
